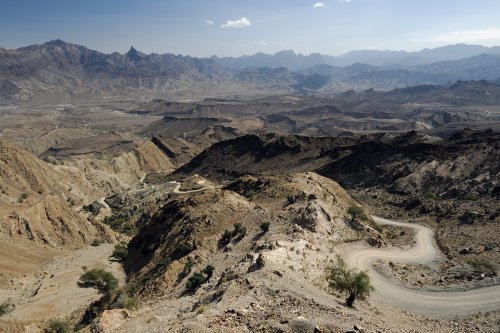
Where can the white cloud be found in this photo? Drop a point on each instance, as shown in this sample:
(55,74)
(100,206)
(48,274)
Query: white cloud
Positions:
(468,36)
(319,5)
(344,0)
(241,23)
(209,22)
(262,43)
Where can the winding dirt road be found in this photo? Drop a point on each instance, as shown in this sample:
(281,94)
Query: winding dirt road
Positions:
(178,186)
(434,304)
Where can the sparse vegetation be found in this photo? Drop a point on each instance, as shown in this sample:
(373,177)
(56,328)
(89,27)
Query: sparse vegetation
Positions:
(92,209)
(121,223)
(188,265)
(164,262)
(100,279)
(97,242)
(120,251)
(200,309)
(182,250)
(483,266)
(350,282)
(226,237)
(264,226)
(471,197)
(239,232)
(357,212)
(130,303)
(6,308)
(467,218)
(199,278)
(432,196)
(58,326)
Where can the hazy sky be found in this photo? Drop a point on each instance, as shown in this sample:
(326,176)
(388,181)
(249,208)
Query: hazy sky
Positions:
(237,27)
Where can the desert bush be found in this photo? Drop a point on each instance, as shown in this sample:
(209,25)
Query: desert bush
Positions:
(97,242)
(120,251)
(188,265)
(58,326)
(197,279)
(121,223)
(164,261)
(226,237)
(432,196)
(182,249)
(6,308)
(92,209)
(100,279)
(349,282)
(240,232)
(264,226)
(209,271)
(357,212)
(483,266)
(467,218)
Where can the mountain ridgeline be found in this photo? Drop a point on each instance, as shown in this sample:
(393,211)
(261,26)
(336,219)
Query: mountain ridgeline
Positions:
(59,71)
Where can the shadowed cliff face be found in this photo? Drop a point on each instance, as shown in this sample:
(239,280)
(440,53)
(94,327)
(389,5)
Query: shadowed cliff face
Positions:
(406,164)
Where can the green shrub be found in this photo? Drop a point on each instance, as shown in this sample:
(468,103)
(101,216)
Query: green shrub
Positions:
(357,212)
(348,281)
(182,250)
(100,279)
(264,226)
(24,195)
(164,262)
(432,196)
(483,266)
(197,279)
(226,237)
(241,233)
(209,271)
(120,251)
(188,265)
(121,223)
(58,326)
(131,303)
(467,218)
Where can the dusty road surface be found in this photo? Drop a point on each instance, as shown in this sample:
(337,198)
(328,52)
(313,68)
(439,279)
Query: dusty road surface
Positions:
(178,186)
(431,303)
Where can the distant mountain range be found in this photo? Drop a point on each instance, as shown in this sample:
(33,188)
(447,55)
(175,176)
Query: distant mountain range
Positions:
(293,61)
(62,71)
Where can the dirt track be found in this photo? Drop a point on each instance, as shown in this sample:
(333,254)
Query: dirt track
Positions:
(434,304)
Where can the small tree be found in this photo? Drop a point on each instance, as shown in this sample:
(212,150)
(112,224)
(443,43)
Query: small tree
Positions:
(350,282)
(100,279)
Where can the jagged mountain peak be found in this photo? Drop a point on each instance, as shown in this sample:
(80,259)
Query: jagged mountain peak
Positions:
(134,55)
